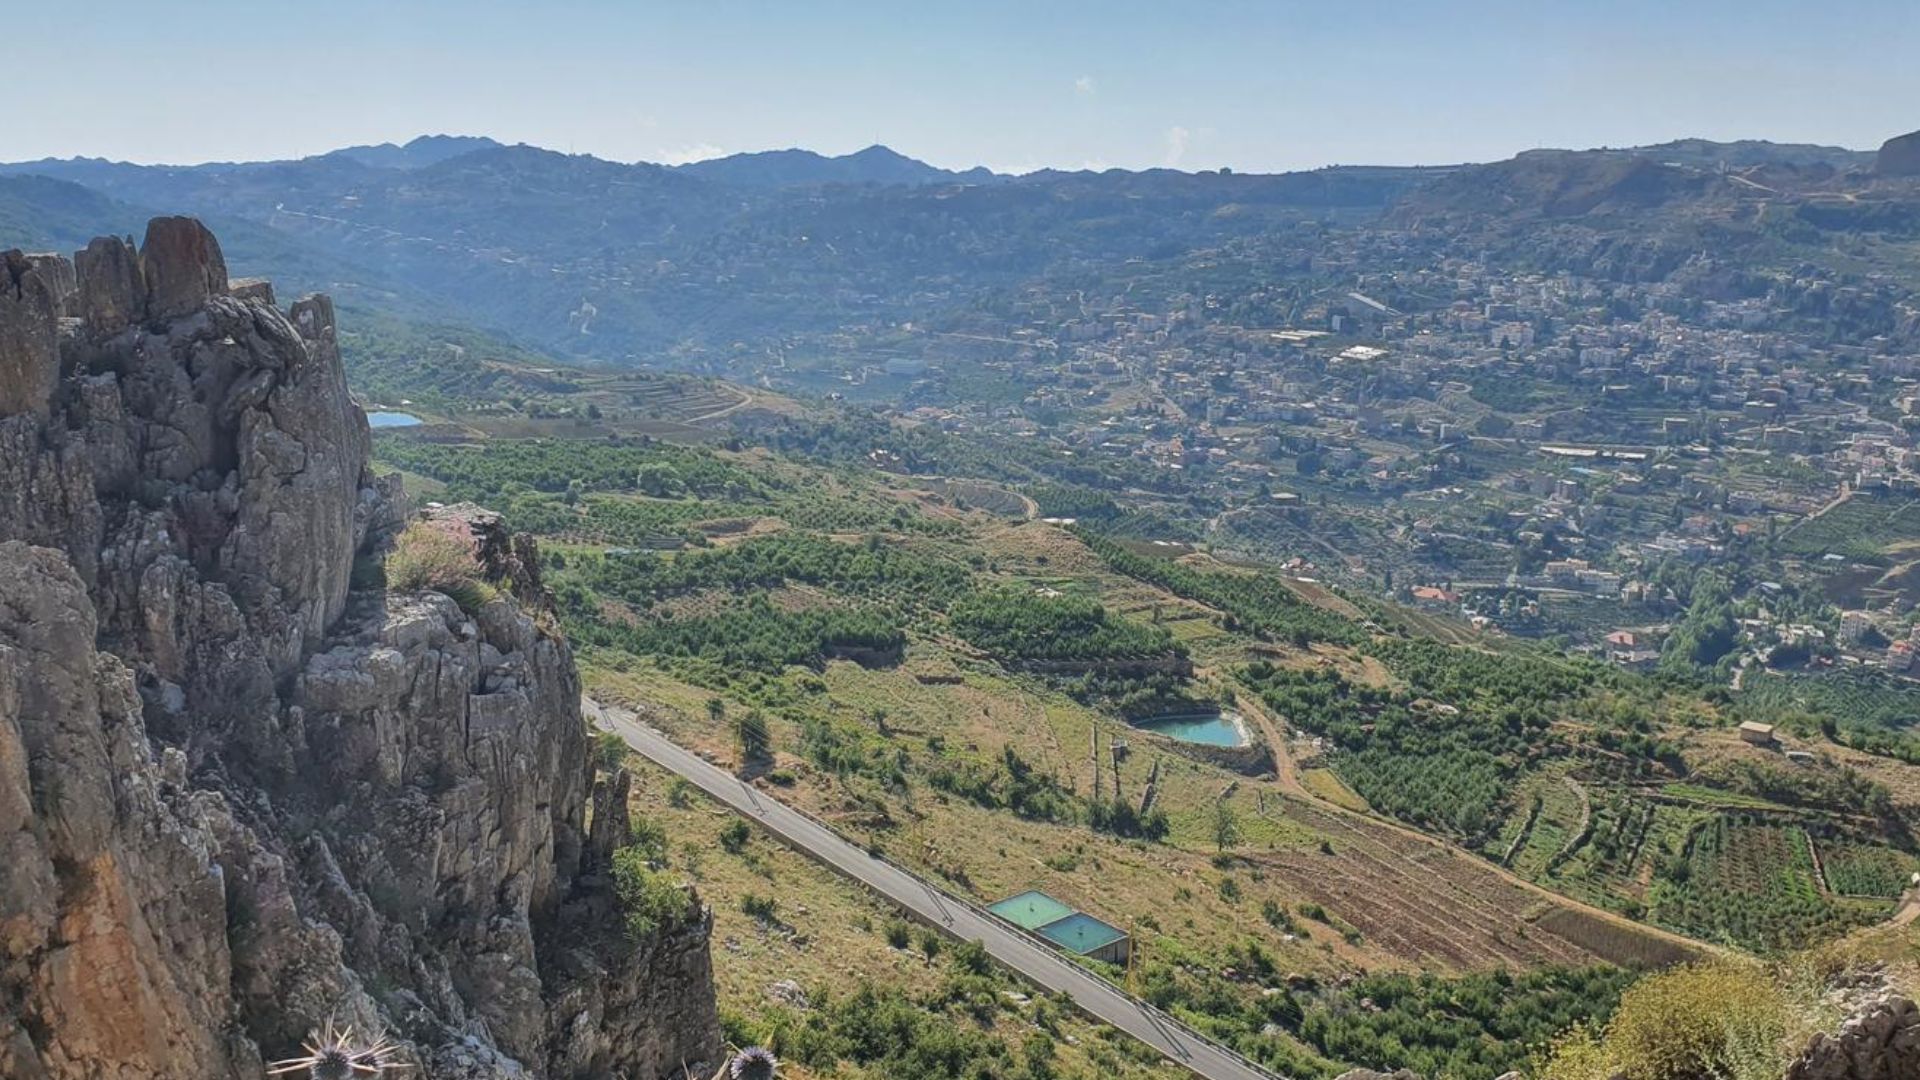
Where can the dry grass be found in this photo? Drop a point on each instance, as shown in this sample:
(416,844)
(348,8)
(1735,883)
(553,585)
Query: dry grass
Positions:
(430,558)
(1327,785)
(1416,904)
(827,934)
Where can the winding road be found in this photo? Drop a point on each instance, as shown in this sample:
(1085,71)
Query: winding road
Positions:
(1039,963)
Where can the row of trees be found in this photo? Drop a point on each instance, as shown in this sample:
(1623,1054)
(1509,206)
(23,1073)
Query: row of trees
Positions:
(1477,1025)
(556,465)
(1018,625)
(1426,762)
(871,569)
(1255,603)
(751,635)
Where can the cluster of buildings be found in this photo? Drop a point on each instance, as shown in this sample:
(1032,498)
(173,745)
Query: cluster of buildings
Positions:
(1469,426)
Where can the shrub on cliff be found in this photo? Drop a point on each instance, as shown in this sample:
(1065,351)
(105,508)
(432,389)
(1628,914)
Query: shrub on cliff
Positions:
(1718,1019)
(426,558)
(651,899)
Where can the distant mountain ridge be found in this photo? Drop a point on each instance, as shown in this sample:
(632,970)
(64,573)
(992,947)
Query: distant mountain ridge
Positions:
(416,154)
(882,165)
(1746,153)
(804,168)
(585,257)
(1558,184)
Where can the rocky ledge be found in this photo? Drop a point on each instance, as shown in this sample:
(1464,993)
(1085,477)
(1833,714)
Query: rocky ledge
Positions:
(245,789)
(1878,1040)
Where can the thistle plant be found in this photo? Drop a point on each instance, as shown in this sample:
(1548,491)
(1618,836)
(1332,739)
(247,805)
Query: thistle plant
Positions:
(753,1063)
(335,1055)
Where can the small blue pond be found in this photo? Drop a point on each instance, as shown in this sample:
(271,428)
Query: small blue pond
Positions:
(1205,728)
(392,419)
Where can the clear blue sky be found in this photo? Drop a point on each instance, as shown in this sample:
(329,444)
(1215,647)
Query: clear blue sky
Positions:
(1013,85)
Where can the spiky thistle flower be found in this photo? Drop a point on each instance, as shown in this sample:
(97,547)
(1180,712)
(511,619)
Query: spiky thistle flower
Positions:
(336,1055)
(753,1063)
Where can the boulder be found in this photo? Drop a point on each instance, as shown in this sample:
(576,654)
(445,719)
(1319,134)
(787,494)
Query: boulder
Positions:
(253,288)
(182,265)
(112,294)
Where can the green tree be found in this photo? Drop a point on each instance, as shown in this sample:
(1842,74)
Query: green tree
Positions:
(1226,827)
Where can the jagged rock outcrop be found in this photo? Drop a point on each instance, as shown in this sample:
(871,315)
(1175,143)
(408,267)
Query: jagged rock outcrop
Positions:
(1880,1040)
(57,271)
(1899,156)
(243,790)
(29,343)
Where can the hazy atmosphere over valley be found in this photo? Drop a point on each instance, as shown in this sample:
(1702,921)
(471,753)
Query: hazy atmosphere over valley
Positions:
(1013,542)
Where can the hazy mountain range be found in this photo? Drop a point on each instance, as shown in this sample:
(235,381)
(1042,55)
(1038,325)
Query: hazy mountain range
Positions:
(635,261)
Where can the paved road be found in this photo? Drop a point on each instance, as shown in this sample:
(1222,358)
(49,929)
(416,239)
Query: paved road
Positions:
(1041,965)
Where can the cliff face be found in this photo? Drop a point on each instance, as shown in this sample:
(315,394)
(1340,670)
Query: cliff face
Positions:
(239,795)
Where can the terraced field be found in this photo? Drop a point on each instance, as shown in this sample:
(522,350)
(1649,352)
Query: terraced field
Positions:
(1863,526)
(683,400)
(1444,907)
(1552,809)
(1864,870)
(1614,864)
(980,495)
(1754,885)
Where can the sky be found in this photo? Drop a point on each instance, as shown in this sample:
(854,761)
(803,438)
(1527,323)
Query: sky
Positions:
(1191,84)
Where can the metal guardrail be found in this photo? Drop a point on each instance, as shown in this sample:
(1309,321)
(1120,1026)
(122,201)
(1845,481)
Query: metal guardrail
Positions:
(1154,1014)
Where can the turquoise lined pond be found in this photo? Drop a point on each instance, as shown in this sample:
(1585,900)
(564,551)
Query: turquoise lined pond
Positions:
(392,419)
(1081,933)
(1222,728)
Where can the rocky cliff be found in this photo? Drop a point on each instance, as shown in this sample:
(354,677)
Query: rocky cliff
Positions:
(245,789)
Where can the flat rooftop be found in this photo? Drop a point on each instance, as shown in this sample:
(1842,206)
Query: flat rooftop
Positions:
(1031,910)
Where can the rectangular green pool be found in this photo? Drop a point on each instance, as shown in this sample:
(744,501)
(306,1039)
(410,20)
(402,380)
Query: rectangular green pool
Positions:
(1031,910)
(1081,933)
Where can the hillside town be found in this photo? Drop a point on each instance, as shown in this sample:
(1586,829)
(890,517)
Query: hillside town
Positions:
(1527,452)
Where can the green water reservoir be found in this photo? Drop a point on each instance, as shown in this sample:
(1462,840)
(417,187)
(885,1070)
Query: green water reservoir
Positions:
(1207,728)
(1031,910)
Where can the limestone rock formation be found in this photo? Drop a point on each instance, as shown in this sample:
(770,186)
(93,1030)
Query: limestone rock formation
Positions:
(57,271)
(29,342)
(1879,1041)
(244,788)
(1899,156)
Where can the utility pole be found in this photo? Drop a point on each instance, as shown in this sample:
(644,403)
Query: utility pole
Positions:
(1093,733)
(1133,948)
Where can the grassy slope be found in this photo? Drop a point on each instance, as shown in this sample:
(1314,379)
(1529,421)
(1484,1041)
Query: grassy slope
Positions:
(1373,879)
(829,935)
